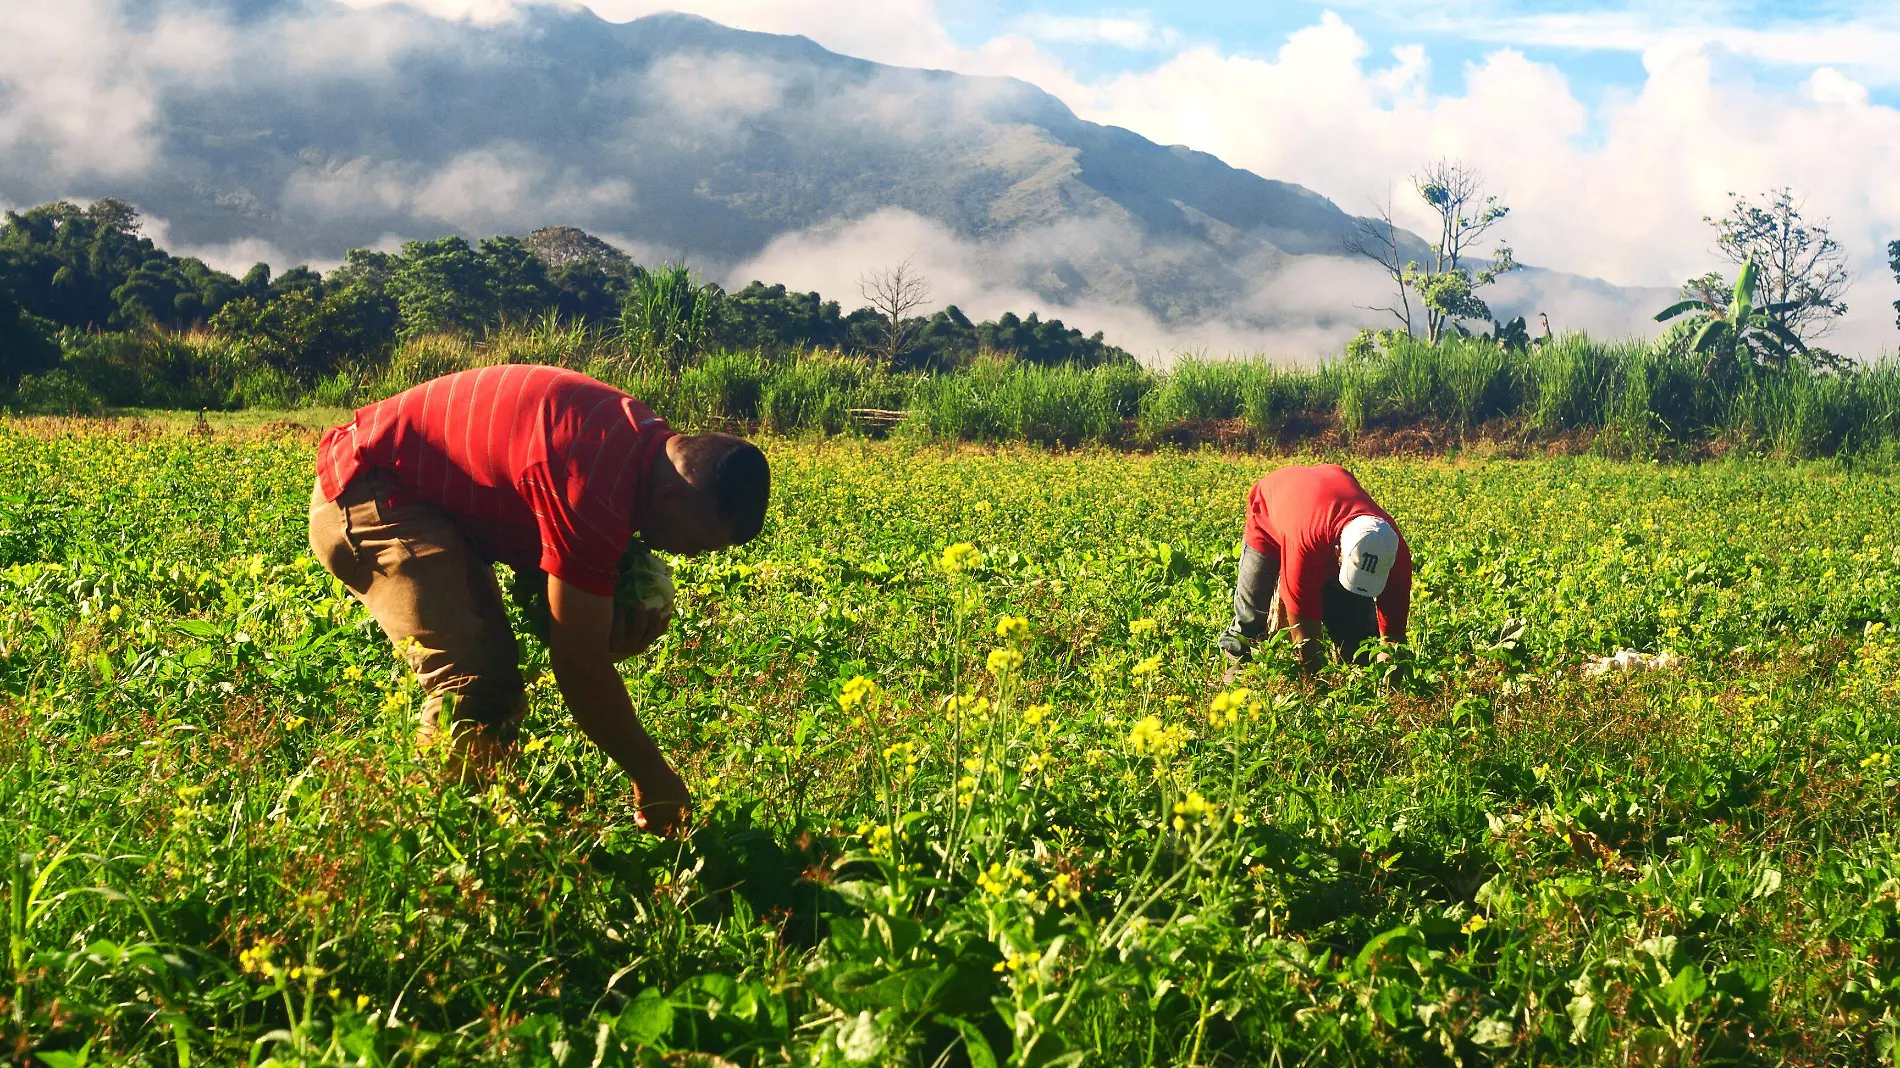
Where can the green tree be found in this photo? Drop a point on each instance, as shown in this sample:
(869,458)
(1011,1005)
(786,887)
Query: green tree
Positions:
(1734,335)
(589,278)
(1802,269)
(441,286)
(90,268)
(771,317)
(365,287)
(1893,261)
(304,331)
(26,342)
(518,288)
(1445,286)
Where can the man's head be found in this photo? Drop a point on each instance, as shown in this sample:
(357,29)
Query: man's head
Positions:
(1367,547)
(709,492)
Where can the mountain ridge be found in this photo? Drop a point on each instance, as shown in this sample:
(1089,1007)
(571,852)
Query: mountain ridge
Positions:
(678,136)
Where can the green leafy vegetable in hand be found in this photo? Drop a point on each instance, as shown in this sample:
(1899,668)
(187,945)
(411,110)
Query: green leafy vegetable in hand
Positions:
(645,579)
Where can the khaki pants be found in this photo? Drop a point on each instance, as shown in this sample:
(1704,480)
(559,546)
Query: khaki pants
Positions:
(436,598)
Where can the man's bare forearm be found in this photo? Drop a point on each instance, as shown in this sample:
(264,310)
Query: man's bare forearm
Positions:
(1305,634)
(597,697)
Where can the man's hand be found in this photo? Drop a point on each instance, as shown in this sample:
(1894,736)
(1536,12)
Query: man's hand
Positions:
(664,802)
(636,628)
(581,648)
(1305,634)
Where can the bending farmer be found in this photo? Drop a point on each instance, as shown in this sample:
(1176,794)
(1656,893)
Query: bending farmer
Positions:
(1318,551)
(536,467)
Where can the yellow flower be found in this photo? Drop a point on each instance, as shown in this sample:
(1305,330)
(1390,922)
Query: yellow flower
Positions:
(1012,627)
(993,881)
(960,558)
(1018,962)
(858,690)
(1146,666)
(1232,699)
(1149,737)
(256,960)
(1035,714)
(294,722)
(1190,810)
(1004,661)
(875,835)
(976,707)
(535,744)
(1142,626)
(908,752)
(1475,924)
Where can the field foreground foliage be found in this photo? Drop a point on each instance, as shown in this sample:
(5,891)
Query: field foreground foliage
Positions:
(971,788)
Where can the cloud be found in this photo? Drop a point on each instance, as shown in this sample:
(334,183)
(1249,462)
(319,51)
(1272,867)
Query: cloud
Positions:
(1618,191)
(1864,37)
(79,89)
(231,257)
(480,12)
(719,90)
(496,188)
(1136,33)
(1291,313)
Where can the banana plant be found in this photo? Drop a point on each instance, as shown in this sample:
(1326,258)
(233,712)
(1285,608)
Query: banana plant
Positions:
(1740,333)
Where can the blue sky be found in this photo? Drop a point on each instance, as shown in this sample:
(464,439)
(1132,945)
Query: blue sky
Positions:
(1604,57)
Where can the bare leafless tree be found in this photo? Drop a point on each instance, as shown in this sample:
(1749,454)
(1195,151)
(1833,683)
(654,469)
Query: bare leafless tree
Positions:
(895,292)
(1377,239)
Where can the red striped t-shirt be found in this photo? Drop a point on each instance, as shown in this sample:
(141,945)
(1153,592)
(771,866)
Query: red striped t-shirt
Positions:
(543,467)
(1296,514)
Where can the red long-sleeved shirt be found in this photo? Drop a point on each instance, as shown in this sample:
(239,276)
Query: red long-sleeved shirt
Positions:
(541,466)
(1296,513)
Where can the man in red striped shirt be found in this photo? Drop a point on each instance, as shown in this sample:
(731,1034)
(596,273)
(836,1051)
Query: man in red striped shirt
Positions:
(1318,551)
(535,467)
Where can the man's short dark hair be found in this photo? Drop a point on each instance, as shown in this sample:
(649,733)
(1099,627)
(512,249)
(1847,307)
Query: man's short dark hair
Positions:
(740,482)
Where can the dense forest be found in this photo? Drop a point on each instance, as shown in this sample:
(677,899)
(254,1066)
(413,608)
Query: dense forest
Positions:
(95,318)
(90,270)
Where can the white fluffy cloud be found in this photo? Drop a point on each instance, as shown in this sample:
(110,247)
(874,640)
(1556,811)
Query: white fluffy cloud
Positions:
(1138,32)
(1863,36)
(80,92)
(491,189)
(1617,193)
(1614,188)
(1312,297)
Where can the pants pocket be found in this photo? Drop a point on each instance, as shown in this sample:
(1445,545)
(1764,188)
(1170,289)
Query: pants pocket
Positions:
(331,544)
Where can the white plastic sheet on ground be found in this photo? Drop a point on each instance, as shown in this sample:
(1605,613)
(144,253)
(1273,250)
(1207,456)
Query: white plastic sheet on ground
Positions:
(1627,660)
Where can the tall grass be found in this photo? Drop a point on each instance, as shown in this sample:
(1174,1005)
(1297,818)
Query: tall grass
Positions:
(1622,396)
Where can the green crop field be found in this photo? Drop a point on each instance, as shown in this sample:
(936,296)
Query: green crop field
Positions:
(1060,840)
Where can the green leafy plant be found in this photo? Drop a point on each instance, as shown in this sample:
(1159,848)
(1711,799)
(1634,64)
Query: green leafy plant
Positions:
(1736,335)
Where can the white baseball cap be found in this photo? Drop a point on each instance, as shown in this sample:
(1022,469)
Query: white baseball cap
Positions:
(1367,547)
